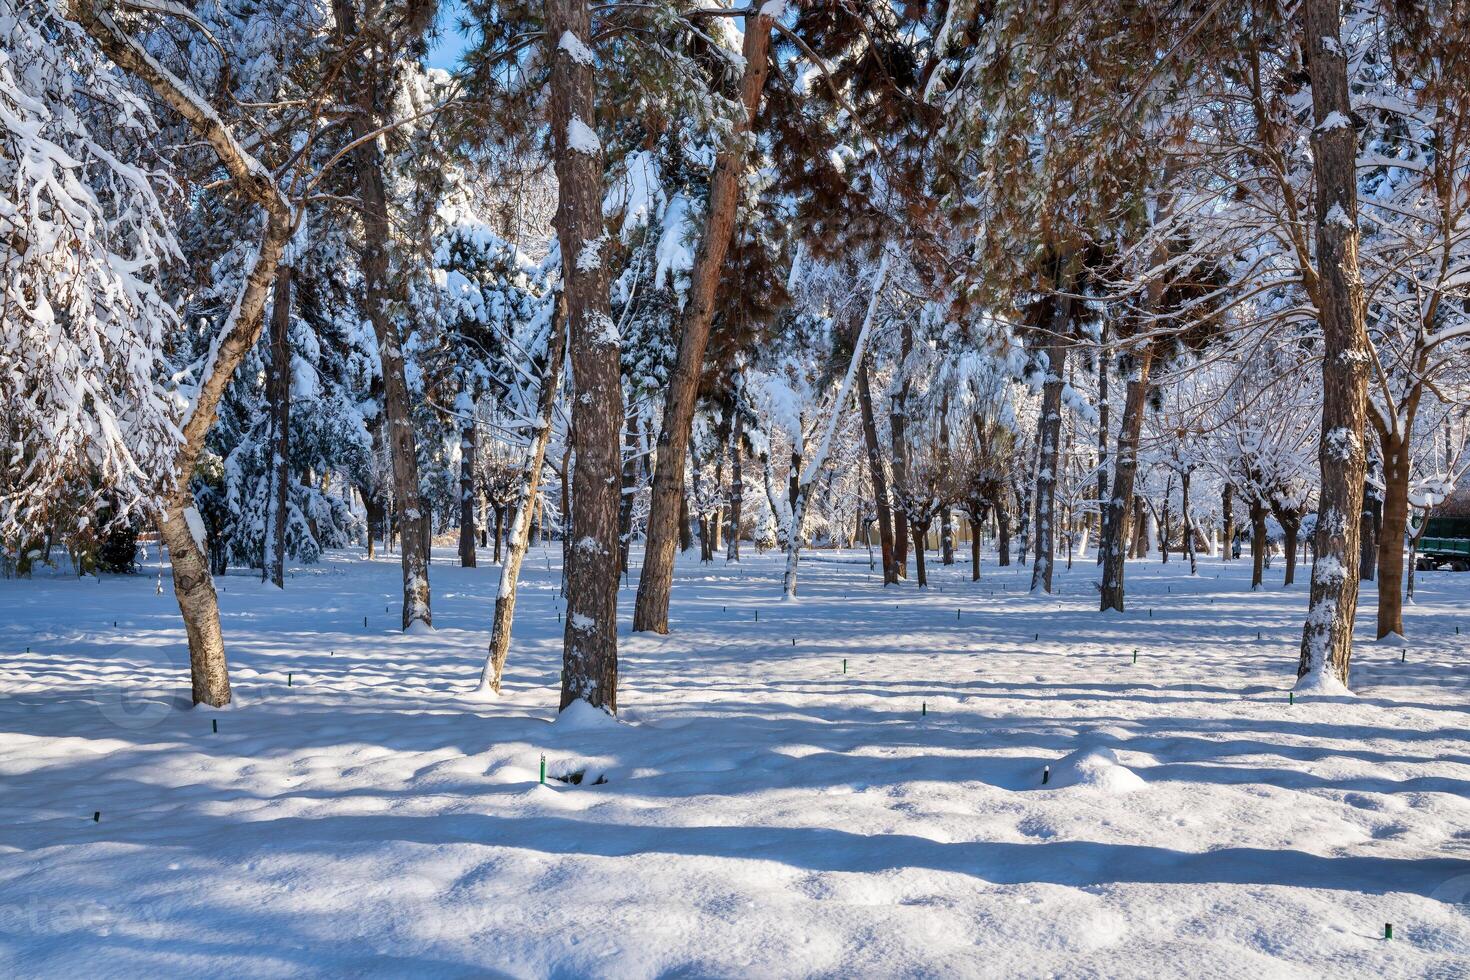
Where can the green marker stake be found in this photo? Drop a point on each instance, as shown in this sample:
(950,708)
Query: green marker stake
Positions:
(1404,656)
(288,678)
(923,707)
(844,665)
(1388,930)
(364,622)
(793,641)
(956,614)
(1135,656)
(214,725)
(97,818)
(1291,697)
(1045,775)
(543,770)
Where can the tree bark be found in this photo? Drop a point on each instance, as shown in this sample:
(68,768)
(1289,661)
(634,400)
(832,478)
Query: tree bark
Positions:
(975,525)
(590,650)
(527,495)
(467,494)
(1227,506)
(1396,470)
(920,533)
(898,433)
(1328,631)
(363,94)
(273,567)
(1258,542)
(1049,431)
(1104,417)
(193,585)
(737,487)
(1119,524)
(1002,536)
(877,475)
(651,611)
(627,492)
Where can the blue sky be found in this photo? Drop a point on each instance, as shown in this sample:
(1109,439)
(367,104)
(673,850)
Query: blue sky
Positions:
(450,45)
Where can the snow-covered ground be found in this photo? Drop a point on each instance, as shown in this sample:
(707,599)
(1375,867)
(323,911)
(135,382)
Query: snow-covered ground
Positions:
(764,812)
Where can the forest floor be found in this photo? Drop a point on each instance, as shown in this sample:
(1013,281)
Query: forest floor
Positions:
(764,812)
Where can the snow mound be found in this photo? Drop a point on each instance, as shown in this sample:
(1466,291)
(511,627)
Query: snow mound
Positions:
(482,692)
(1321,683)
(1393,640)
(579,716)
(1097,768)
(418,628)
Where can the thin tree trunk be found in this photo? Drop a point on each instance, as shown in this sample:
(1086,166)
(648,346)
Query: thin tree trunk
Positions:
(878,477)
(274,565)
(1327,634)
(1119,524)
(1003,536)
(737,487)
(686,536)
(193,585)
(1227,506)
(590,651)
(1104,416)
(651,611)
(975,549)
(467,440)
(1391,539)
(921,533)
(1258,543)
(1188,524)
(362,93)
(628,490)
(529,484)
(898,433)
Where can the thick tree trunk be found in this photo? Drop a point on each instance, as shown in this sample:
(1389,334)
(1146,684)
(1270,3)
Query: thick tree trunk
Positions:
(877,475)
(1327,634)
(590,651)
(530,484)
(274,565)
(467,494)
(1391,539)
(1290,529)
(737,488)
(652,609)
(377,519)
(1119,524)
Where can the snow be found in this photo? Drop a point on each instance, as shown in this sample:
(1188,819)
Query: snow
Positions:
(574,48)
(196,527)
(581,138)
(763,813)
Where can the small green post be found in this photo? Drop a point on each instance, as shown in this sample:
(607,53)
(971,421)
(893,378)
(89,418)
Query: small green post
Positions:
(214,725)
(1135,655)
(1038,637)
(543,770)
(793,641)
(1291,697)
(844,665)
(288,678)
(1388,930)
(923,707)
(96,816)
(757,615)
(1404,656)
(956,614)
(364,622)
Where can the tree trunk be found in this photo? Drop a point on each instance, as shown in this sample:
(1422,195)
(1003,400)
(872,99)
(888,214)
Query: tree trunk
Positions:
(1104,416)
(529,483)
(877,475)
(1396,470)
(627,492)
(737,488)
(1327,634)
(193,586)
(1227,506)
(1188,525)
(686,536)
(946,514)
(651,611)
(590,651)
(921,533)
(1119,524)
(1290,528)
(467,439)
(362,93)
(1258,543)
(499,532)
(975,549)
(897,431)
(1003,536)
(1049,432)
(274,565)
